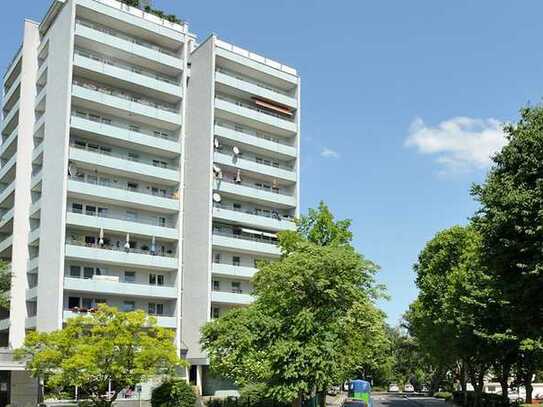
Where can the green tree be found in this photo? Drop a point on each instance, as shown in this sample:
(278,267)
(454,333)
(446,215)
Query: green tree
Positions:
(313,322)
(5,285)
(510,222)
(105,350)
(456,306)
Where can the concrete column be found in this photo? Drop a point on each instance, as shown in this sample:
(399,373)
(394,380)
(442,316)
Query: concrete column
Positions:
(23,196)
(24,389)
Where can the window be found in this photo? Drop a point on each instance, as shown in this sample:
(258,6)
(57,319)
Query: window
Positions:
(162,221)
(75,271)
(102,212)
(133,157)
(92,179)
(80,144)
(105,150)
(130,276)
(217,257)
(237,207)
(105,181)
(134,128)
(156,309)
(90,210)
(106,121)
(90,240)
(77,208)
(88,272)
(235,260)
(93,147)
(128,306)
(236,287)
(215,312)
(161,164)
(216,285)
(156,279)
(132,187)
(131,216)
(88,303)
(94,117)
(73,302)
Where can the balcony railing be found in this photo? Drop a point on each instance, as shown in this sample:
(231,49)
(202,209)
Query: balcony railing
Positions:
(143,221)
(255,108)
(252,132)
(125,37)
(167,195)
(116,155)
(253,81)
(114,248)
(267,163)
(122,125)
(272,214)
(117,93)
(251,238)
(108,278)
(127,67)
(13,59)
(253,186)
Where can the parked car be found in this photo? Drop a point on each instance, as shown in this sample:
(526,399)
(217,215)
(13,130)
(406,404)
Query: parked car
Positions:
(408,388)
(393,388)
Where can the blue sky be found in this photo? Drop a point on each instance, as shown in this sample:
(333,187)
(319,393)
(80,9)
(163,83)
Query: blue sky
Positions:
(401,103)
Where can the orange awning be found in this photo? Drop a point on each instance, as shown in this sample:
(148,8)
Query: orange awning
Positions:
(273,106)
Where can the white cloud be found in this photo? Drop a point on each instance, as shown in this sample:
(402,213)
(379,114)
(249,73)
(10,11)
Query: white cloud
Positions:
(329,153)
(460,143)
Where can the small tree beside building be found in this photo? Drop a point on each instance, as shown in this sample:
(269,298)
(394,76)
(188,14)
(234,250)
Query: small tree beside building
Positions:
(102,354)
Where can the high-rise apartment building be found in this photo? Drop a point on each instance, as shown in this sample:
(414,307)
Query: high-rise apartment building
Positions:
(141,170)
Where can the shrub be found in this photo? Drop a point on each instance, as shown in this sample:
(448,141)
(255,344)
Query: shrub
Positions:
(173,393)
(445,395)
(485,400)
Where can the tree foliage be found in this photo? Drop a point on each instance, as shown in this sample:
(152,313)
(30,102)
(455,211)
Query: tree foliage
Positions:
(173,393)
(510,221)
(313,322)
(106,349)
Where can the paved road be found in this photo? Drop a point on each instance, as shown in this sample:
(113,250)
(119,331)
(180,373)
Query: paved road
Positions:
(397,400)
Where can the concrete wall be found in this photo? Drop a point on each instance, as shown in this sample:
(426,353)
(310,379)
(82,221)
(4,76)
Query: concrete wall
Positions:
(55,168)
(197,197)
(23,197)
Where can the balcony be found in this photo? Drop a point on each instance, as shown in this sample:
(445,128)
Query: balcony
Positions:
(8,147)
(283,172)
(239,134)
(252,116)
(128,74)
(257,62)
(254,87)
(245,244)
(273,222)
(114,194)
(231,298)
(76,250)
(248,190)
(10,120)
(125,44)
(162,321)
(5,245)
(231,271)
(5,221)
(14,68)
(7,196)
(120,165)
(122,102)
(125,133)
(9,100)
(33,264)
(7,172)
(108,285)
(110,224)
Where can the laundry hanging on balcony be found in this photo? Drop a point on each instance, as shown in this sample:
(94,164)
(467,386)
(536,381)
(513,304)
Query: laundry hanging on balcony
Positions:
(127,244)
(101,240)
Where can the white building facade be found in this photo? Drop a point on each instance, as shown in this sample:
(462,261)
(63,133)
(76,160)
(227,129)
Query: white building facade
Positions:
(141,170)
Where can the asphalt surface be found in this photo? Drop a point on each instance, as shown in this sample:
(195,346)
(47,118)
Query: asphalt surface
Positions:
(399,400)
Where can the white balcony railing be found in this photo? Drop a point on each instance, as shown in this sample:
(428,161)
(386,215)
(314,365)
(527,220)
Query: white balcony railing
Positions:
(124,66)
(253,82)
(167,195)
(253,132)
(143,221)
(122,95)
(239,103)
(110,247)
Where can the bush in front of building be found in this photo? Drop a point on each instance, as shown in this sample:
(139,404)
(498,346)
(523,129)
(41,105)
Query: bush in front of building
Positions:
(485,400)
(173,393)
(445,395)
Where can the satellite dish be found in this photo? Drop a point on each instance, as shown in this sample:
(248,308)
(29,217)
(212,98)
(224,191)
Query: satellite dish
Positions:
(235,150)
(217,197)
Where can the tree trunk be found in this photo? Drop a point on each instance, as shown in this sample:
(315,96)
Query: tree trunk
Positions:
(322,398)
(297,402)
(529,389)
(504,381)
